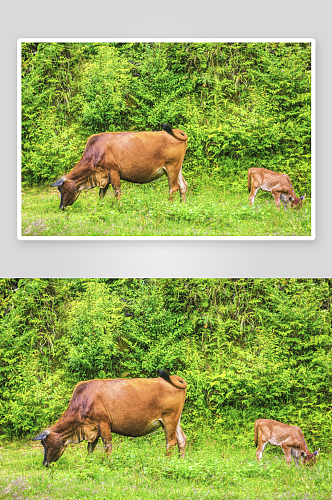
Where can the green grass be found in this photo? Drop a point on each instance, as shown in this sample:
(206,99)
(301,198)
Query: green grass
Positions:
(144,210)
(138,469)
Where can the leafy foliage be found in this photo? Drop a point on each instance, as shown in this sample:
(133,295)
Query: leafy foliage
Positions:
(248,348)
(50,102)
(241,104)
(105,84)
(93,322)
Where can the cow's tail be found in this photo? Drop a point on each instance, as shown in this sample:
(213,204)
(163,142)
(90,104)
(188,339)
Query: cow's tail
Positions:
(256,433)
(177,133)
(174,380)
(249,180)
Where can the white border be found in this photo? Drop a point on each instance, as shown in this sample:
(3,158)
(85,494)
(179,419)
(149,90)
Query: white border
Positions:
(170,40)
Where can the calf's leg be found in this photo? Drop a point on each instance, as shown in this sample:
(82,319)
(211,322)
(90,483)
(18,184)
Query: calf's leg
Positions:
(296,456)
(287,451)
(252,195)
(276,196)
(260,449)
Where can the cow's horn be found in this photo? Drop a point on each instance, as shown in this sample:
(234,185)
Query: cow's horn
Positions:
(59,182)
(42,435)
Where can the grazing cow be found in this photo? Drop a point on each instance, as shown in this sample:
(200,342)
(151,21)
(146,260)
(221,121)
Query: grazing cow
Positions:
(279,185)
(138,157)
(129,407)
(288,437)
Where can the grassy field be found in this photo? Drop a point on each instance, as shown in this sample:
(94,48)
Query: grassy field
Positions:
(144,210)
(139,470)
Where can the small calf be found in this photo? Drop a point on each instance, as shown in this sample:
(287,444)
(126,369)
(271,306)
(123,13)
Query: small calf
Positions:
(288,437)
(279,186)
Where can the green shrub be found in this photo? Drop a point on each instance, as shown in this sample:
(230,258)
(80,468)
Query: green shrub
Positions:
(241,104)
(248,349)
(93,323)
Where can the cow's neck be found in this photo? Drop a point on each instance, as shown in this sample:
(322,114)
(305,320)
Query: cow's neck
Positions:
(87,179)
(74,432)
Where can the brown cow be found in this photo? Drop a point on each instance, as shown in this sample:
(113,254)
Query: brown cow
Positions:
(279,185)
(129,407)
(288,437)
(138,157)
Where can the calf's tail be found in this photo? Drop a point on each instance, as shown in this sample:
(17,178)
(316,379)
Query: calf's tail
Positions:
(256,433)
(174,380)
(249,180)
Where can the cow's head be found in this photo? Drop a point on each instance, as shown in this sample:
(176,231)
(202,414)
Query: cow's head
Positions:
(69,191)
(297,202)
(53,446)
(309,458)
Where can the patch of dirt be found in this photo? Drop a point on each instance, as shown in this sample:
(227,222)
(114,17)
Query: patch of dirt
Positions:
(36,228)
(16,487)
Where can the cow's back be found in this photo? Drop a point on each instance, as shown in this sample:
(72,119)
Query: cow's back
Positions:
(139,392)
(135,405)
(123,402)
(139,157)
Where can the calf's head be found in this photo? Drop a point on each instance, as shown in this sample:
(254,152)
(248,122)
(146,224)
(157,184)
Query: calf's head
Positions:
(53,446)
(309,458)
(297,202)
(69,191)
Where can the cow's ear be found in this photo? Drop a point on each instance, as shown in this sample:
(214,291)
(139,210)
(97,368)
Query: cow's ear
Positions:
(303,453)
(59,182)
(316,452)
(42,435)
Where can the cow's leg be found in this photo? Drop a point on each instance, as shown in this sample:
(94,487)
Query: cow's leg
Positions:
(182,186)
(103,191)
(116,184)
(170,433)
(182,440)
(106,435)
(260,449)
(92,445)
(173,188)
(252,195)
(276,196)
(173,176)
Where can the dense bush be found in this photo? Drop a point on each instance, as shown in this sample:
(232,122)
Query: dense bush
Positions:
(248,348)
(241,104)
